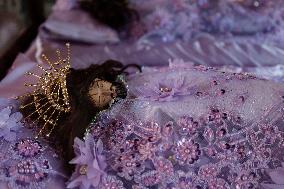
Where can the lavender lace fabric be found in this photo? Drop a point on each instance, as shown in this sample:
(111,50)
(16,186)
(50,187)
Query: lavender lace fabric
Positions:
(25,162)
(212,130)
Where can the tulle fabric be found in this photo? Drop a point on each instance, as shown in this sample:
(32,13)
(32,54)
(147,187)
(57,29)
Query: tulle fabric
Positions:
(222,131)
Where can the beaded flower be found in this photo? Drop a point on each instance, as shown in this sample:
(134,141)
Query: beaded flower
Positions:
(186,151)
(28,147)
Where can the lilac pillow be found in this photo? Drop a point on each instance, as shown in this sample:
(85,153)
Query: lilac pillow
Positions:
(77,25)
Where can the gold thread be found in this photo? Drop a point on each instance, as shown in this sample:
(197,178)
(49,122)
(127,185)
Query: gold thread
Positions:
(52,88)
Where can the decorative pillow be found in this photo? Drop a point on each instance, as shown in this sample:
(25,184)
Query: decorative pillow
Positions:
(76,25)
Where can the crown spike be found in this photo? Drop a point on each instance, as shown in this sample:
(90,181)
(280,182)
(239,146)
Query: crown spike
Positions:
(30,85)
(30,73)
(48,61)
(41,114)
(59,61)
(68,53)
(33,102)
(37,110)
(54,124)
(42,68)
(47,121)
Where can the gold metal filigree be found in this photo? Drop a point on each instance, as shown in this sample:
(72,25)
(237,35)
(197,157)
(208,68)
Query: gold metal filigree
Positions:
(50,98)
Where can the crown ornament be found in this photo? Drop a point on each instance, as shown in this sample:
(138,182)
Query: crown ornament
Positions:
(49,99)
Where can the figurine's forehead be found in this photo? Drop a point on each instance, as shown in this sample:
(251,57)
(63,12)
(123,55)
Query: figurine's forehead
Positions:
(99,83)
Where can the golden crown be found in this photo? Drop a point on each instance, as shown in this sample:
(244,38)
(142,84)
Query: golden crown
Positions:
(50,98)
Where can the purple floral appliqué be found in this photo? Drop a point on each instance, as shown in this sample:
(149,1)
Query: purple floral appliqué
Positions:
(166,89)
(9,123)
(90,164)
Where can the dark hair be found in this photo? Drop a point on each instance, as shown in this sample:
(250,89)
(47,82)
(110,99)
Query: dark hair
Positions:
(115,13)
(75,123)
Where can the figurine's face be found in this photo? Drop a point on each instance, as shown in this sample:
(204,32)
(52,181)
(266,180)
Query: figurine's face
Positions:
(102,93)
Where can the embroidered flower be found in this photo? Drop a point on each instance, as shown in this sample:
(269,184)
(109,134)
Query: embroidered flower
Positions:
(187,125)
(245,178)
(215,117)
(208,171)
(28,172)
(28,147)
(165,169)
(146,149)
(9,123)
(186,151)
(112,134)
(128,164)
(166,89)
(111,182)
(149,178)
(90,163)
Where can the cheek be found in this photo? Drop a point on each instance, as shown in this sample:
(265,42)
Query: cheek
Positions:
(101,101)
(95,99)
(106,100)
